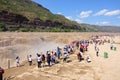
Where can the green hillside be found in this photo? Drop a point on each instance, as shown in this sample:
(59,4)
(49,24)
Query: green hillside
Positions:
(31,10)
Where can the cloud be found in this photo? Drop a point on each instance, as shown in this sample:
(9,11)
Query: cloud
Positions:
(59,13)
(101,12)
(113,13)
(78,20)
(85,14)
(106,12)
(103,23)
(69,17)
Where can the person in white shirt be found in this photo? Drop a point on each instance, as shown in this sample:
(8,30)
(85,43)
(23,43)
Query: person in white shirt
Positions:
(111,46)
(39,60)
(17,61)
(65,55)
(97,51)
(88,59)
(30,60)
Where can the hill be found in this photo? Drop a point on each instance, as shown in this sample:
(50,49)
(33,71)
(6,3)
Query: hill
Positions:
(26,15)
(102,28)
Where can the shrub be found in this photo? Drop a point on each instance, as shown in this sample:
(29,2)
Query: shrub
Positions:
(23,30)
(12,29)
(2,27)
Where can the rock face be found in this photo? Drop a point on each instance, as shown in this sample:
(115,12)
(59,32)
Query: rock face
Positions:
(6,16)
(16,21)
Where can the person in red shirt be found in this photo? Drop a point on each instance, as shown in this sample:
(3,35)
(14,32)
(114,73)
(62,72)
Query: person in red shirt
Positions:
(1,73)
(82,48)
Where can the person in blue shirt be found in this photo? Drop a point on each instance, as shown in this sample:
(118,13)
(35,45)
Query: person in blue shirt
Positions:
(58,52)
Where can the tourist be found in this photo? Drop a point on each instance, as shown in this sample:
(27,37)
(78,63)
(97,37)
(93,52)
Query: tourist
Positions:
(58,52)
(95,47)
(1,73)
(17,61)
(39,60)
(53,58)
(81,48)
(69,49)
(65,52)
(79,56)
(97,51)
(30,60)
(43,60)
(111,46)
(88,59)
(48,59)
(55,53)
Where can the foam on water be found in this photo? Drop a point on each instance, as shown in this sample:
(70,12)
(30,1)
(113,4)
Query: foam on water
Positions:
(22,50)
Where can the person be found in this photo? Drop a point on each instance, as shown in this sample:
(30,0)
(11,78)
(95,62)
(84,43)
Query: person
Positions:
(79,56)
(111,46)
(95,47)
(30,60)
(58,52)
(48,59)
(55,53)
(1,73)
(87,44)
(53,58)
(69,49)
(65,55)
(97,51)
(17,61)
(81,48)
(43,60)
(39,60)
(77,44)
(88,59)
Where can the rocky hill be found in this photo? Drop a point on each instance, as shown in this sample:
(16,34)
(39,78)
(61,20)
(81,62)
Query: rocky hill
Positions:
(26,15)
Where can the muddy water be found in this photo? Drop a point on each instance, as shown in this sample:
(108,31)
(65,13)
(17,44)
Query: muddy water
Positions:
(23,49)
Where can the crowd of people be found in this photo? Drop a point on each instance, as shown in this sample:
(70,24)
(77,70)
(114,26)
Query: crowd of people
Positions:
(52,57)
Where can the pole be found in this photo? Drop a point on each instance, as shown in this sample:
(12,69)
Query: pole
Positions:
(8,64)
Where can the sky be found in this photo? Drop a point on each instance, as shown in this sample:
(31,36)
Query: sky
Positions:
(96,12)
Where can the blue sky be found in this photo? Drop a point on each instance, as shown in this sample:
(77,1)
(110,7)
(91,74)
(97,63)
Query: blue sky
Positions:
(99,12)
